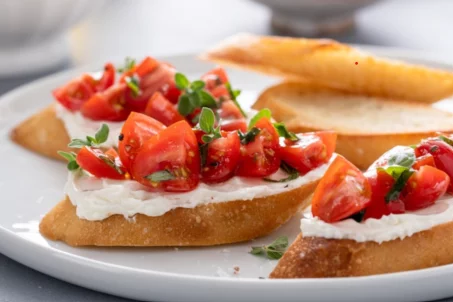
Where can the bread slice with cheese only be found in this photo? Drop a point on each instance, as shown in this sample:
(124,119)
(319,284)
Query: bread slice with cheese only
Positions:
(43,133)
(333,64)
(366,126)
(208,224)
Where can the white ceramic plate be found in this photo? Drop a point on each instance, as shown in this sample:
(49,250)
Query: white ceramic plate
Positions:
(31,185)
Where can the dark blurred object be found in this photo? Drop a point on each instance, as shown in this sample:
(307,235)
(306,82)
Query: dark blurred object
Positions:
(313,18)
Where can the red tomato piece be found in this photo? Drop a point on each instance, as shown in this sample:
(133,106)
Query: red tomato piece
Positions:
(310,151)
(394,152)
(424,187)
(171,92)
(220,92)
(137,129)
(162,110)
(107,105)
(215,77)
(172,153)
(233,125)
(342,192)
(100,164)
(229,110)
(424,160)
(145,67)
(75,93)
(442,153)
(381,183)
(261,156)
(222,158)
(107,79)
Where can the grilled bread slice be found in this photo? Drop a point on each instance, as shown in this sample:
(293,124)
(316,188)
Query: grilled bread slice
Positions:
(366,126)
(333,64)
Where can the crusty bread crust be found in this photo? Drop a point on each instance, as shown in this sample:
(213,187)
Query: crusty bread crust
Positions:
(311,257)
(362,149)
(43,133)
(210,224)
(333,64)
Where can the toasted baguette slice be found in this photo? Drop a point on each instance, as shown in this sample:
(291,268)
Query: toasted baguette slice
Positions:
(42,133)
(312,257)
(333,64)
(211,224)
(366,126)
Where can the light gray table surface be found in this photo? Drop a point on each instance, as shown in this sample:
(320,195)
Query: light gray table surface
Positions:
(138,27)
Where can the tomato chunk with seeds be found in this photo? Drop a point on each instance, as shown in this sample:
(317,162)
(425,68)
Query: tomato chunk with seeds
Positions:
(233,125)
(169,161)
(424,160)
(424,187)
(107,79)
(75,93)
(342,192)
(162,110)
(215,77)
(100,164)
(137,129)
(310,151)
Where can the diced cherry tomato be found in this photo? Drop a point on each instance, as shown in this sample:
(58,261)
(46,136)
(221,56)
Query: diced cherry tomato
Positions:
(310,151)
(215,77)
(229,110)
(392,153)
(137,129)
(100,164)
(162,110)
(442,153)
(171,92)
(220,92)
(107,105)
(424,160)
(75,93)
(107,79)
(261,156)
(233,125)
(424,187)
(145,67)
(342,192)
(172,153)
(222,158)
(381,182)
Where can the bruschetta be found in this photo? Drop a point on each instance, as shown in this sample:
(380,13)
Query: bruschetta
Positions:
(148,87)
(184,186)
(397,216)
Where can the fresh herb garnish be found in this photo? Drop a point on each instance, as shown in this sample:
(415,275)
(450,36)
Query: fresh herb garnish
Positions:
(400,182)
(358,216)
(111,162)
(292,173)
(283,132)
(262,113)
(99,138)
(446,139)
(71,158)
(159,176)
(234,93)
(402,156)
(133,83)
(129,63)
(206,123)
(193,96)
(274,250)
(249,136)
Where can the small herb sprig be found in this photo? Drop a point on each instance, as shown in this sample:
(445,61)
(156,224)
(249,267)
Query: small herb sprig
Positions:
(133,82)
(272,251)
(259,115)
(207,124)
(194,96)
(158,176)
(71,158)
(234,93)
(292,173)
(129,63)
(283,132)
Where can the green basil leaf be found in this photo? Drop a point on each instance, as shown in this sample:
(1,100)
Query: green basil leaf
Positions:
(102,134)
(69,156)
(73,165)
(273,251)
(129,63)
(274,255)
(292,174)
(279,243)
(233,95)
(134,85)
(257,250)
(395,191)
(401,156)
(197,85)
(159,176)
(249,136)
(446,139)
(78,143)
(394,171)
(207,100)
(283,132)
(181,81)
(207,138)
(185,107)
(207,120)
(262,113)
(195,99)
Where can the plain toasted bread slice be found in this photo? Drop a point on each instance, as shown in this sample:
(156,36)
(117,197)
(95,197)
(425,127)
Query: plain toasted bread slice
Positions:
(43,133)
(210,224)
(335,65)
(313,257)
(366,126)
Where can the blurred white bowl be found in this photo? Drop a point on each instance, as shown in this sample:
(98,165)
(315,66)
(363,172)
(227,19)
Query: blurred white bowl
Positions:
(313,17)
(32,32)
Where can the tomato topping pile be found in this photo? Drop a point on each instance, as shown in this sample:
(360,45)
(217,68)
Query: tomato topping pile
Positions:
(176,158)
(402,179)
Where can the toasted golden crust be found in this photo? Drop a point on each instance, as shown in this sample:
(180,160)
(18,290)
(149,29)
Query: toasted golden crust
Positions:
(43,133)
(310,257)
(361,148)
(211,224)
(333,64)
